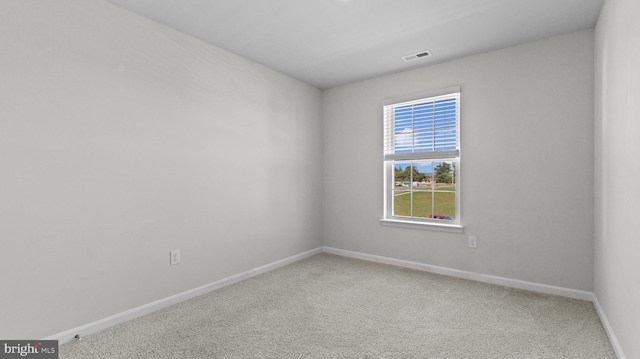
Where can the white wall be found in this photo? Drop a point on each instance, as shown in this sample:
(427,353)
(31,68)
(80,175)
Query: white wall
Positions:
(121,140)
(526,171)
(617,170)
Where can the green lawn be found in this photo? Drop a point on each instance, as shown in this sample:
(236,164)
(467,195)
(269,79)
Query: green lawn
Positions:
(445,203)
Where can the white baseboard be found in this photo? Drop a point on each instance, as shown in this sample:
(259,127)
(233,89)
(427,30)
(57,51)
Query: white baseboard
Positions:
(607,328)
(116,319)
(507,282)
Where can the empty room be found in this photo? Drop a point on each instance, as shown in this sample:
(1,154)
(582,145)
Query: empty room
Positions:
(319,178)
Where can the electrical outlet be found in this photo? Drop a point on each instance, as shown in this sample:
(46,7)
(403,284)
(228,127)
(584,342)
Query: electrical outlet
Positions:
(473,242)
(174,257)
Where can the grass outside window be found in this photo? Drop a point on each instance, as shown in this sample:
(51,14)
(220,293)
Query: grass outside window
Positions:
(422,204)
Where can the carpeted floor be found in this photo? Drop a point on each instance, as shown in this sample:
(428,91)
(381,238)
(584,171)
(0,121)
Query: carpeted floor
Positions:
(329,306)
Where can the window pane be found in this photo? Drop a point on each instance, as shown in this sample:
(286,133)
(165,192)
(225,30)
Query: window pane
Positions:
(422,189)
(443,176)
(403,175)
(402,203)
(402,189)
(444,206)
(403,129)
(444,203)
(422,203)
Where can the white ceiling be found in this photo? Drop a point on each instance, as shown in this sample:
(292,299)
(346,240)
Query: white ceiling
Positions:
(327,43)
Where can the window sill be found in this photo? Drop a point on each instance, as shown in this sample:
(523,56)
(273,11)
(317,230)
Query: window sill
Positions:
(442,227)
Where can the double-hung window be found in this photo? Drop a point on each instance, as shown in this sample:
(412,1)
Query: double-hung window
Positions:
(422,160)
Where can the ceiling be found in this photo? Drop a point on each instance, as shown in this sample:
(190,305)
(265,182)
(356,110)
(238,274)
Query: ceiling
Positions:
(328,43)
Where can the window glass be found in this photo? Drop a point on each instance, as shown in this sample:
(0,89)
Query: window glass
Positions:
(421,159)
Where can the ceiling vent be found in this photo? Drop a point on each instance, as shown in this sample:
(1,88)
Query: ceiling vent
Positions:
(419,55)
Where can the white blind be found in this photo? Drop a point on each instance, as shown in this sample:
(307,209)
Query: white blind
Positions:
(424,128)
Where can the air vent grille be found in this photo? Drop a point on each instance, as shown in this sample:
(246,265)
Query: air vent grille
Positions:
(419,55)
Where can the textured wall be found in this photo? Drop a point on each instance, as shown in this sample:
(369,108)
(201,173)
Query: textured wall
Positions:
(526,166)
(121,140)
(617,170)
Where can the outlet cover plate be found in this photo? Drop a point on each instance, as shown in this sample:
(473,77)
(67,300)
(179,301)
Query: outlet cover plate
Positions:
(174,257)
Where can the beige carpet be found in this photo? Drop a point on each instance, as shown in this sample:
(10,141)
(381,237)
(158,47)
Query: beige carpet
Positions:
(329,306)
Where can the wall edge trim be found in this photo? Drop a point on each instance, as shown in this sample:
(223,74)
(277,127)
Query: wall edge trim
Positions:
(479,277)
(503,281)
(608,329)
(101,324)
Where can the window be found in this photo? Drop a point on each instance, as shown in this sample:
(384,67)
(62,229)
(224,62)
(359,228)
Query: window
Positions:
(422,160)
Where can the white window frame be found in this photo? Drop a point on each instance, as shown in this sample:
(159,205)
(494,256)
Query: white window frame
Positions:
(390,158)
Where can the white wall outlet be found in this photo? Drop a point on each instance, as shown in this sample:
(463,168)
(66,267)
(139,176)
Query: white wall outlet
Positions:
(174,257)
(473,242)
